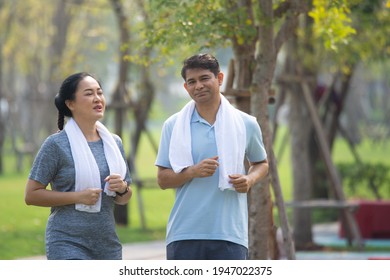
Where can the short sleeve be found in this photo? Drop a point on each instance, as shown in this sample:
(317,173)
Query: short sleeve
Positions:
(163,150)
(45,164)
(255,151)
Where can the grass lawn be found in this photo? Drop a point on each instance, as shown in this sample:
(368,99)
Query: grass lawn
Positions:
(22,227)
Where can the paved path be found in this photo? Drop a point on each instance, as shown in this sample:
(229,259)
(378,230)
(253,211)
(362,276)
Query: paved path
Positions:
(324,234)
(154,250)
(144,251)
(327,235)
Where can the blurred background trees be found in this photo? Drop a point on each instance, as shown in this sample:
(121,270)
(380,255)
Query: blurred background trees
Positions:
(338,50)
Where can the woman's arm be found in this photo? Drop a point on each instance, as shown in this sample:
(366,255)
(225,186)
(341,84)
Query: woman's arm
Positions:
(37,194)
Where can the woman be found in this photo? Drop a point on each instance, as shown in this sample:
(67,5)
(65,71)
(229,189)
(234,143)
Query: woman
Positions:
(86,168)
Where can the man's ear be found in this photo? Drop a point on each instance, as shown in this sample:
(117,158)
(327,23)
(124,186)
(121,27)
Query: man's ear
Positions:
(185,86)
(220,78)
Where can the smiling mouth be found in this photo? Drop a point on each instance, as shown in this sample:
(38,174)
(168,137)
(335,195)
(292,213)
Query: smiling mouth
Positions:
(201,93)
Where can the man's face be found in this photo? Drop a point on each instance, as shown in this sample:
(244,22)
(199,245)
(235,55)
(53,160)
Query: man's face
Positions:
(202,85)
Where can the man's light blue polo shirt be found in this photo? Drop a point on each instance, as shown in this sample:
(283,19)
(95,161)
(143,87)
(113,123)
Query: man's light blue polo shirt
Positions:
(201,210)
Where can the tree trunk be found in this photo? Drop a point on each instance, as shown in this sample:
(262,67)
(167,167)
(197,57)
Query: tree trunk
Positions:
(144,104)
(261,216)
(2,112)
(258,77)
(61,21)
(3,98)
(300,153)
(300,168)
(259,198)
(120,92)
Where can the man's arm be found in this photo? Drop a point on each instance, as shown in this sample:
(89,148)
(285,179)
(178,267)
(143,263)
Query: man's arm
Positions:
(167,178)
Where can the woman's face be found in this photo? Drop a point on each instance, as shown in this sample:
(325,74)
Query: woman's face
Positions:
(89,102)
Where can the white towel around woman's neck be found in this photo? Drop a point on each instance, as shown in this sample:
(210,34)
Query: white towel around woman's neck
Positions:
(230,134)
(86,168)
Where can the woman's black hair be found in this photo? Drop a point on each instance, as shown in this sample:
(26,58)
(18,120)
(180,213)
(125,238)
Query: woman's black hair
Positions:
(67,92)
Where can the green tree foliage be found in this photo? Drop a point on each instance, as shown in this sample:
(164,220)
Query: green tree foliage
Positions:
(199,24)
(332,22)
(372,176)
(347,32)
(89,39)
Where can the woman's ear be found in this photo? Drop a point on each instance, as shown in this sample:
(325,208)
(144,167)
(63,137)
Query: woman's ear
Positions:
(69,104)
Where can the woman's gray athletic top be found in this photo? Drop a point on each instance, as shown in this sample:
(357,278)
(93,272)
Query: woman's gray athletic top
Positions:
(73,234)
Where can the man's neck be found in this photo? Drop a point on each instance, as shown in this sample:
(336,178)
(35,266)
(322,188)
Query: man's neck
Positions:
(208,111)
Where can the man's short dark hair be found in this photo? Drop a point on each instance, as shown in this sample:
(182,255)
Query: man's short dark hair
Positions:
(202,61)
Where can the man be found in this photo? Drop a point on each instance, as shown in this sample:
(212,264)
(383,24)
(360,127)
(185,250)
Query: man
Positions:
(201,155)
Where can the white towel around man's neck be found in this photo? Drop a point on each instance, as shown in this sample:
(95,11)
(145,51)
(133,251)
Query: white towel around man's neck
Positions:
(230,134)
(86,168)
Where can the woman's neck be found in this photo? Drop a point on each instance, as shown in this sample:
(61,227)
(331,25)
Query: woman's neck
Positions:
(89,130)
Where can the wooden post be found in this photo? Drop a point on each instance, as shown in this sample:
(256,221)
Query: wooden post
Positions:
(332,171)
(288,241)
